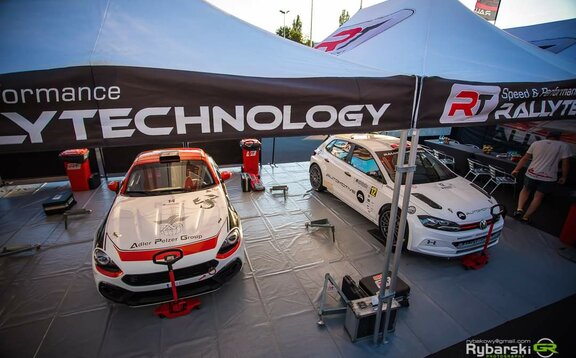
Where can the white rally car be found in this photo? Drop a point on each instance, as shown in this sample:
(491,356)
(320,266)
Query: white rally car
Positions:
(170,199)
(448,216)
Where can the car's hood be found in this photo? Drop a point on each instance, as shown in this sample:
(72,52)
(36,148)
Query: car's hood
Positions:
(164,221)
(460,201)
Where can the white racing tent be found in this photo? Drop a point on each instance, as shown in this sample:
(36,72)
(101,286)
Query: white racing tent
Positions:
(558,37)
(85,73)
(471,73)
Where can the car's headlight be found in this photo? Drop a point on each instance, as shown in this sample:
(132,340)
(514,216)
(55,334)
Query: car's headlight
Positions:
(438,224)
(104,264)
(230,243)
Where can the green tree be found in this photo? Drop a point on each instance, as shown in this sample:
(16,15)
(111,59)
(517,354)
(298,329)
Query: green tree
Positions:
(294,32)
(344,16)
(283,31)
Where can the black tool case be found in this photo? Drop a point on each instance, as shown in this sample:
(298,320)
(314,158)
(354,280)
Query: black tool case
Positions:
(59,202)
(370,285)
(351,290)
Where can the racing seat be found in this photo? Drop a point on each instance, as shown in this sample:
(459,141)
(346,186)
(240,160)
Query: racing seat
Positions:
(476,169)
(499,177)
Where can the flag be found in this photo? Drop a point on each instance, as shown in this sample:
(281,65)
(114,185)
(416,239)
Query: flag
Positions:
(487,9)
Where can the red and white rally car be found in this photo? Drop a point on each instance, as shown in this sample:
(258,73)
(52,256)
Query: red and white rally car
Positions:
(169,199)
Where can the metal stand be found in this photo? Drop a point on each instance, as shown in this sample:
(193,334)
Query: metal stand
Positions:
(74,213)
(5,251)
(322,223)
(326,311)
(283,188)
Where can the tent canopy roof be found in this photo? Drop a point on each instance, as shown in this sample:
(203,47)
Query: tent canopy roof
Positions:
(184,35)
(445,39)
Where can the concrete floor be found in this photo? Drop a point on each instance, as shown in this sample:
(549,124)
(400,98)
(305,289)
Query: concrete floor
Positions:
(49,305)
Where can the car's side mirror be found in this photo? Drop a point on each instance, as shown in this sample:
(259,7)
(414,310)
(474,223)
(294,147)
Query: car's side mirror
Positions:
(114,186)
(225,175)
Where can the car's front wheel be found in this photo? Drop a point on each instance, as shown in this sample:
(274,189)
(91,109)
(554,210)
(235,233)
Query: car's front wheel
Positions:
(383,223)
(316,178)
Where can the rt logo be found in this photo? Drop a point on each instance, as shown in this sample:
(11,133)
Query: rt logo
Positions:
(545,348)
(470,104)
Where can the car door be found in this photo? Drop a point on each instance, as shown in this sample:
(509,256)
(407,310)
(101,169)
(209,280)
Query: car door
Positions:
(338,178)
(369,183)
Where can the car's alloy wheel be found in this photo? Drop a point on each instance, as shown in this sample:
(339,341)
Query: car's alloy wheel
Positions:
(316,178)
(383,223)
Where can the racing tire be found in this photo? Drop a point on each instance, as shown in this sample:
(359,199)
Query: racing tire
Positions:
(316,178)
(383,221)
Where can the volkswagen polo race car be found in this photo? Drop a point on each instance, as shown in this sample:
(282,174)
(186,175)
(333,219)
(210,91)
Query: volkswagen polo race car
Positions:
(170,199)
(448,216)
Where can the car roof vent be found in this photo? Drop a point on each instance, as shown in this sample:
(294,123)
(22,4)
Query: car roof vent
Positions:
(427,200)
(171,156)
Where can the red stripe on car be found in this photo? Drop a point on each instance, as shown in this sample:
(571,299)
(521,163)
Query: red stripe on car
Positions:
(146,255)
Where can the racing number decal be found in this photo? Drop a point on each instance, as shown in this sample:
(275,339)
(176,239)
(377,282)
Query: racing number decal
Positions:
(373,191)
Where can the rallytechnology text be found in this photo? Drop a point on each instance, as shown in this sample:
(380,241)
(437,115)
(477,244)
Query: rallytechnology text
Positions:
(510,348)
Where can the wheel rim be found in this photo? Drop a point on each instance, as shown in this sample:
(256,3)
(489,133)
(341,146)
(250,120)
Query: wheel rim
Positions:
(384,222)
(315,177)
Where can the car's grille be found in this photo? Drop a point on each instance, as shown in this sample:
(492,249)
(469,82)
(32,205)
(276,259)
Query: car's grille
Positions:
(476,225)
(162,277)
(471,244)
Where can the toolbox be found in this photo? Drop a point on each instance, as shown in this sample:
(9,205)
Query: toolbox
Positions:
(371,285)
(59,203)
(361,317)
(351,289)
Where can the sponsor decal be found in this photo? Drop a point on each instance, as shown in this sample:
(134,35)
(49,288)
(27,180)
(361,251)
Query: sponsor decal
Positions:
(477,103)
(360,196)
(171,226)
(445,186)
(477,211)
(470,104)
(361,183)
(137,245)
(373,191)
(117,123)
(430,242)
(335,180)
(461,215)
(349,37)
(505,348)
(206,202)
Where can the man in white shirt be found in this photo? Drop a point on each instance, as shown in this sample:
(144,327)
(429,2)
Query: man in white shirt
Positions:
(542,173)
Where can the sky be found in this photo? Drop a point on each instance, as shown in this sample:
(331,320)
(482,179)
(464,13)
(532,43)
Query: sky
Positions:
(266,13)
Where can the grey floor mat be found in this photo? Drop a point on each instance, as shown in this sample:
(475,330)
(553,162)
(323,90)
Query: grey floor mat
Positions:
(49,305)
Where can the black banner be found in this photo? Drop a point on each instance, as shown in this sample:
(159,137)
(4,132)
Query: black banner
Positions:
(449,103)
(487,9)
(104,106)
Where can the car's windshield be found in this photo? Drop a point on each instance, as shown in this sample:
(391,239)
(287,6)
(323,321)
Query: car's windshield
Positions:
(169,178)
(428,168)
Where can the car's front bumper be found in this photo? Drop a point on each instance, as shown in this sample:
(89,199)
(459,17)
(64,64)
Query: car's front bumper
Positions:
(141,298)
(451,244)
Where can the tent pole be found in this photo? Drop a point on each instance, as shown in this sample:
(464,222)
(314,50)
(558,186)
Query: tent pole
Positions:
(383,293)
(402,226)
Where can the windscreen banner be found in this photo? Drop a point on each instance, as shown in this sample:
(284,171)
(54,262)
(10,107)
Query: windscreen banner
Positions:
(488,9)
(106,106)
(447,103)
